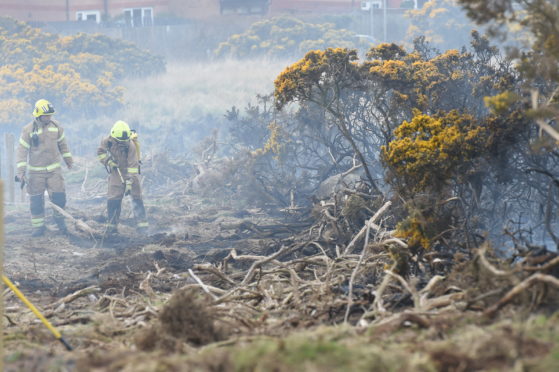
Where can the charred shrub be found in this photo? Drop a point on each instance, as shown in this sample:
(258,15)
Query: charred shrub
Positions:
(187,317)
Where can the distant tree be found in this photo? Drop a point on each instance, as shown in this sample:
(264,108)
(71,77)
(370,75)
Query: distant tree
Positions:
(442,23)
(285,37)
(539,56)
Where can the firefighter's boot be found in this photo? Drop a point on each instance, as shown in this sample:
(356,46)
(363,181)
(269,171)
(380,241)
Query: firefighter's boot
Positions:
(113,211)
(38,231)
(140,216)
(59,199)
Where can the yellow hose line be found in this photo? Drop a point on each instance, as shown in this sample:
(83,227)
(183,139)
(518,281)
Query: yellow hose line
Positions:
(1,271)
(31,307)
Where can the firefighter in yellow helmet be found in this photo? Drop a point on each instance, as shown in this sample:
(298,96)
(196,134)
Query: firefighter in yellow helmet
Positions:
(120,157)
(41,145)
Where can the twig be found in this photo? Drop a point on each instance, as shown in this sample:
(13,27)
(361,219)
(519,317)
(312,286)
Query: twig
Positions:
(366,227)
(84,178)
(407,286)
(261,262)
(426,291)
(146,287)
(432,283)
(204,287)
(483,296)
(74,296)
(329,216)
(400,242)
(214,270)
(519,288)
(377,303)
(488,266)
(354,274)
(545,267)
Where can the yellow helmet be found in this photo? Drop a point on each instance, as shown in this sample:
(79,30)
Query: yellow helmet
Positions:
(43,107)
(120,131)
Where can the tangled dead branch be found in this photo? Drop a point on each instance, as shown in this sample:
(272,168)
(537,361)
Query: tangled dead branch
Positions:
(297,288)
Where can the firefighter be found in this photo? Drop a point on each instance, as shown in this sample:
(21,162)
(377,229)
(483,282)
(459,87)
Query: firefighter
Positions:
(119,155)
(41,144)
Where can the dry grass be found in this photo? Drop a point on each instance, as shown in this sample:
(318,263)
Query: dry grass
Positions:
(198,89)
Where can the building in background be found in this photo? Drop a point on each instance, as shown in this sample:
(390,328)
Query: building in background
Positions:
(339,6)
(137,13)
(132,12)
(194,9)
(244,7)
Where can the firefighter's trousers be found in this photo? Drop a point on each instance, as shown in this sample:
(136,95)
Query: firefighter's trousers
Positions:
(115,195)
(37,184)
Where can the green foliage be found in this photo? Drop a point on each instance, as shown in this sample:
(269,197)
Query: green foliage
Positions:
(79,74)
(284,36)
(307,352)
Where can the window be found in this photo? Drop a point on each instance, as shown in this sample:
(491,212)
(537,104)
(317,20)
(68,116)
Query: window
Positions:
(243,6)
(137,17)
(89,15)
(368,5)
(147,17)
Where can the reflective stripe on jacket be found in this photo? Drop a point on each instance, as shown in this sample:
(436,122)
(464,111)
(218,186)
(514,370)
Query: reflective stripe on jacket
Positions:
(43,153)
(121,152)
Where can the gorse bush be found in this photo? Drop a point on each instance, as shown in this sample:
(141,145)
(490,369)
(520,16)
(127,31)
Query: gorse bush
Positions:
(285,37)
(122,58)
(428,151)
(79,74)
(443,133)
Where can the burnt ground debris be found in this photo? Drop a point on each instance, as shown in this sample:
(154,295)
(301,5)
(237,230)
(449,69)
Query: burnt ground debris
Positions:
(219,286)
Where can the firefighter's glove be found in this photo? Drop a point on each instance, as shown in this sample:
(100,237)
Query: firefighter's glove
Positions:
(111,163)
(21,178)
(69,162)
(127,187)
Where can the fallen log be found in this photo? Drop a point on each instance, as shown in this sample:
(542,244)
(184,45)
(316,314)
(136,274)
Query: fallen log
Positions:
(80,225)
